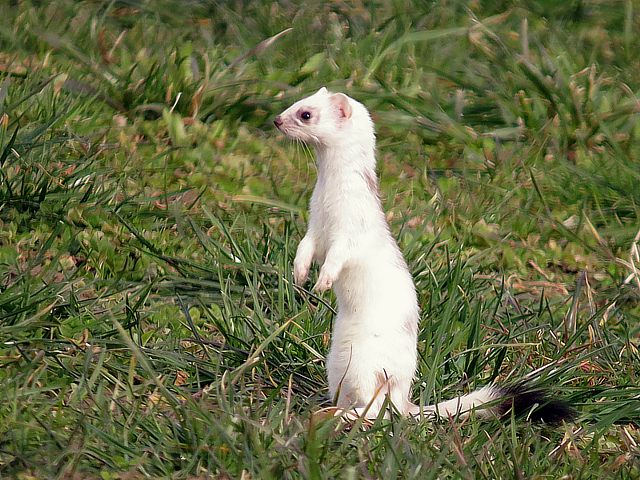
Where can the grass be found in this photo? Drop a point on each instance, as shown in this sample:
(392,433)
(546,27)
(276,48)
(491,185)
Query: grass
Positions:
(149,215)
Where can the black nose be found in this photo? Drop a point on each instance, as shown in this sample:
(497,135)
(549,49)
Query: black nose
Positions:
(277,121)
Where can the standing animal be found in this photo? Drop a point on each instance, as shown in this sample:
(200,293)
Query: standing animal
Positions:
(373,351)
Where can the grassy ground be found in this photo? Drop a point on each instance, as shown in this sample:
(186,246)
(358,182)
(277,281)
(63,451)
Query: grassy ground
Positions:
(149,214)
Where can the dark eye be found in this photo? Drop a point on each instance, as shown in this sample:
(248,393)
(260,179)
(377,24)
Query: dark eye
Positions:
(305,115)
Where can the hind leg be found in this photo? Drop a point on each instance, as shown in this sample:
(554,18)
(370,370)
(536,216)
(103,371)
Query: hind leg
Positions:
(366,394)
(389,395)
(357,395)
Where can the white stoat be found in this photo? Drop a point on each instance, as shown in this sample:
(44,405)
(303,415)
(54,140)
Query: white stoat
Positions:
(373,346)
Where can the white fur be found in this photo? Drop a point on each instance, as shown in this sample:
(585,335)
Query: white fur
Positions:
(373,346)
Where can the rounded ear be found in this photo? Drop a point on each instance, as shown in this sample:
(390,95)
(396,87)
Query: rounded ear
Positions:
(323,91)
(341,102)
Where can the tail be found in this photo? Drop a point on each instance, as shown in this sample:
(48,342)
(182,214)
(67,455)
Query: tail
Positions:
(494,401)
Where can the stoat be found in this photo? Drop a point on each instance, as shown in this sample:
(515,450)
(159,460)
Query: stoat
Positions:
(373,349)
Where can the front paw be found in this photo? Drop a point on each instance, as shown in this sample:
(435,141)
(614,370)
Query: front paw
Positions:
(300,272)
(325,281)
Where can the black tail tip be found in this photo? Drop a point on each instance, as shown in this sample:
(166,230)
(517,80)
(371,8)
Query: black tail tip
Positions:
(535,404)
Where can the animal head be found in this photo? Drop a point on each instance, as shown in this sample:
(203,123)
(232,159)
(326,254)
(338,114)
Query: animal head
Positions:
(326,119)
